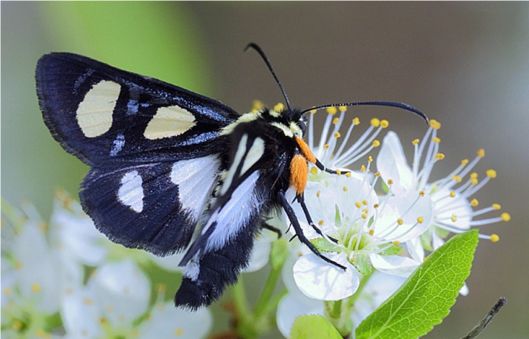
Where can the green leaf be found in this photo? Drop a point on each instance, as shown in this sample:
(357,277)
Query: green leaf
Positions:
(426,297)
(313,326)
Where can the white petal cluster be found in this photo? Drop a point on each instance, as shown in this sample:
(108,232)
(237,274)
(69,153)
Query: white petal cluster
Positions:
(383,216)
(98,289)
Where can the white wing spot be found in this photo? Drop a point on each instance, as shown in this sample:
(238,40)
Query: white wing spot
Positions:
(130,192)
(94,114)
(169,122)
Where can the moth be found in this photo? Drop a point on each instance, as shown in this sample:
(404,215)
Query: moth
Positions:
(172,170)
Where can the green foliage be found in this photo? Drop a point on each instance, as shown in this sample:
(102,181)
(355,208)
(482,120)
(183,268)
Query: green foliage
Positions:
(313,326)
(427,296)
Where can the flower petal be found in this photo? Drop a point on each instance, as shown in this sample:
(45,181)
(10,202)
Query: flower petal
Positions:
(394,264)
(80,314)
(166,321)
(260,252)
(76,235)
(291,307)
(122,290)
(392,164)
(321,280)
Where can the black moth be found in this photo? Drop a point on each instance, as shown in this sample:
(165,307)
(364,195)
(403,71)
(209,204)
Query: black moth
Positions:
(174,170)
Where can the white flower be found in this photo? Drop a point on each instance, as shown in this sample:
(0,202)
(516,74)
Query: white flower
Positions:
(378,288)
(166,321)
(115,296)
(451,197)
(34,276)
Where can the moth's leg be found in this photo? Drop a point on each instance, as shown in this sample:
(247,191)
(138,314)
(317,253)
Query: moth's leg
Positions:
(299,232)
(271,228)
(301,199)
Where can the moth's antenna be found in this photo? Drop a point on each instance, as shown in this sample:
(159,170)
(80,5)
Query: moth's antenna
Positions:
(271,69)
(400,105)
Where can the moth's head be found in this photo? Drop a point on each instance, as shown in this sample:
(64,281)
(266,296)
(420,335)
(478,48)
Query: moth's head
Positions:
(290,121)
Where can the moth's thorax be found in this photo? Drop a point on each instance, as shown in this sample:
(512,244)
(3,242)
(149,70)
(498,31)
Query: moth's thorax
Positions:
(288,122)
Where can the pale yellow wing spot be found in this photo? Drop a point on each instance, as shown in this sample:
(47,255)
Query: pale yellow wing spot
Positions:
(169,122)
(94,114)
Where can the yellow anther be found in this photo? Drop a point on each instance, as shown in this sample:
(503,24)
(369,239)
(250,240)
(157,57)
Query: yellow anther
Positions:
(345,188)
(480,153)
(453,217)
(363,168)
(364,202)
(494,238)
(318,194)
(435,124)
(474,175)
(356,121)
(375,143)
(375,122)
(35,288)
(496,206)
(179,331)
(342,108)
(400,221)
(371,232)
(505,217)
(422,194)
(377,174)
(390,182)
(474,202)
(457,178)
(464,162)
(314,170)
(452,194)
(335,121)
(321,222)
(376,206)
(396,243)
(332,110)
(369,159)
(384,123)
(415,141)
(363,216)
(337,135)
(420,220)
(348,174)
(326,146)
(439,156)
(491,173)
(436,140)
(358,204)
(279,107)
(257,105)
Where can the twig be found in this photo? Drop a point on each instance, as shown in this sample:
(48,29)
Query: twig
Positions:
(487,319)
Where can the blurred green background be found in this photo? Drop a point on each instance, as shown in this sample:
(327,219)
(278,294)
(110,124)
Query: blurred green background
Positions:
(466,64)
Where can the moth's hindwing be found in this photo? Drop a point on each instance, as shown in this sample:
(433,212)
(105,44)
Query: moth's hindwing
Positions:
(247,193)
(103,114)
(153,206)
